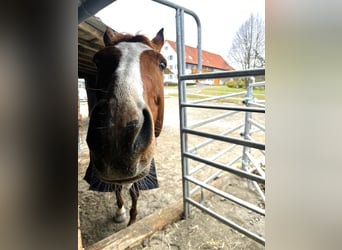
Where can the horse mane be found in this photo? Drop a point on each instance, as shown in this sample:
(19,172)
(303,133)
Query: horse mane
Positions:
(124,37)
(112,37)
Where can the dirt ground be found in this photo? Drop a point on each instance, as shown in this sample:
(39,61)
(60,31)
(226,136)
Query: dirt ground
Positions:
(200,231)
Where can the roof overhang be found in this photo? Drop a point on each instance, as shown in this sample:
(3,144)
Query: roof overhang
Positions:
(90,40)
(90,34)
(88,8)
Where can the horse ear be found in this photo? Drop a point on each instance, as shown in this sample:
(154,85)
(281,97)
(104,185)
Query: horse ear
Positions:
(110,36)
(158,40)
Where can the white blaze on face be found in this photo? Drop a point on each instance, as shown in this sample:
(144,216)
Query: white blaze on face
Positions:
(129,99)
(129,82)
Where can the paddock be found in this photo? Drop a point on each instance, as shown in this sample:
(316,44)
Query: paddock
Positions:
(211,169)
(160,208)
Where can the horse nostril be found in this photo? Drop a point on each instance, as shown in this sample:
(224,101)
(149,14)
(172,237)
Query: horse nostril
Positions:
(144,136)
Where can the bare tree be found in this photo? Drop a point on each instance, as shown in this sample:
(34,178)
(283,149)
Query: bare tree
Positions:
(248,47)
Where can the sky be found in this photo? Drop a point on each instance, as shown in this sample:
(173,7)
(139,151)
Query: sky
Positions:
(220,19)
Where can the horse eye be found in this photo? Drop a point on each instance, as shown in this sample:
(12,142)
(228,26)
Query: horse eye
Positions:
(162,65)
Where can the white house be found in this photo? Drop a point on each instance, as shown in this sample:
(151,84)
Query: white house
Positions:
(210,62)
(82,93)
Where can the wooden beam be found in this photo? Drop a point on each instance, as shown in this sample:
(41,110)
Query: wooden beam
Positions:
(78,227)
(86,61)
(133,235)
(136,233)
(87,70)
(92,31)
(91,46)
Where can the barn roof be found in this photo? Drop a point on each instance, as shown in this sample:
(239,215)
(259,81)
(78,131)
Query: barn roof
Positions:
(208,59)
(90,33)
(90,40)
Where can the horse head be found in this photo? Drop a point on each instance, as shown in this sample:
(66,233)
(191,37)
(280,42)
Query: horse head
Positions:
(129,108)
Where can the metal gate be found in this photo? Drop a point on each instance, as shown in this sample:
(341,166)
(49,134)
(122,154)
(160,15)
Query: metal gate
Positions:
(243,165)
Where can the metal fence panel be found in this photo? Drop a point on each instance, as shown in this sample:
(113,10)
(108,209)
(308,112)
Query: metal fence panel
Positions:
(250,170)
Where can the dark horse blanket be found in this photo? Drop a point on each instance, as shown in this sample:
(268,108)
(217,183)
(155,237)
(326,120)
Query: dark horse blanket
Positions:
(148,182)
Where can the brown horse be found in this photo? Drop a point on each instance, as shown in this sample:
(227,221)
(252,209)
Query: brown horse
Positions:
(127,116)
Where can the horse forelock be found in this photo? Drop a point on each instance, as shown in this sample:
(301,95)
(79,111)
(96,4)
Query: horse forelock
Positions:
(133,39)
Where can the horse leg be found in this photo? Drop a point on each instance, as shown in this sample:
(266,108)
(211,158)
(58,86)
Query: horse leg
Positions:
(120,214)
(134,192)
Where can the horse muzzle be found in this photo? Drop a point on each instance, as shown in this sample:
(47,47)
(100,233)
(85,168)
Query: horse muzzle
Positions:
(120,152)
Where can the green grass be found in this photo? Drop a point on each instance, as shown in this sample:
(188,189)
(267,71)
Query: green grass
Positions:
(204,92)
(219,90)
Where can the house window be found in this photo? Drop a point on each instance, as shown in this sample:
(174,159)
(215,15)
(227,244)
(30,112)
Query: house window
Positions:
(166,47)
(170,66)
(170,57)
(190,66)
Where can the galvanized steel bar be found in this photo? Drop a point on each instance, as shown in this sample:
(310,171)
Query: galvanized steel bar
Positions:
(253,140)
(235,171)
(212,119)
(260,192)
(208,180)
(215,157)
(248,115)
(256,124)
(230,223)
(225,74)
(250,138)
(258,168)
(227,196)
(226,139)
(257,84)
(218,107)
(198,23)
(202,144)
(182,98)
(218,97)
(257,104)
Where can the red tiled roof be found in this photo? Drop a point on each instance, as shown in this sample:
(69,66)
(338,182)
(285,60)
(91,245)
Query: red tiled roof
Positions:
(208,59)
